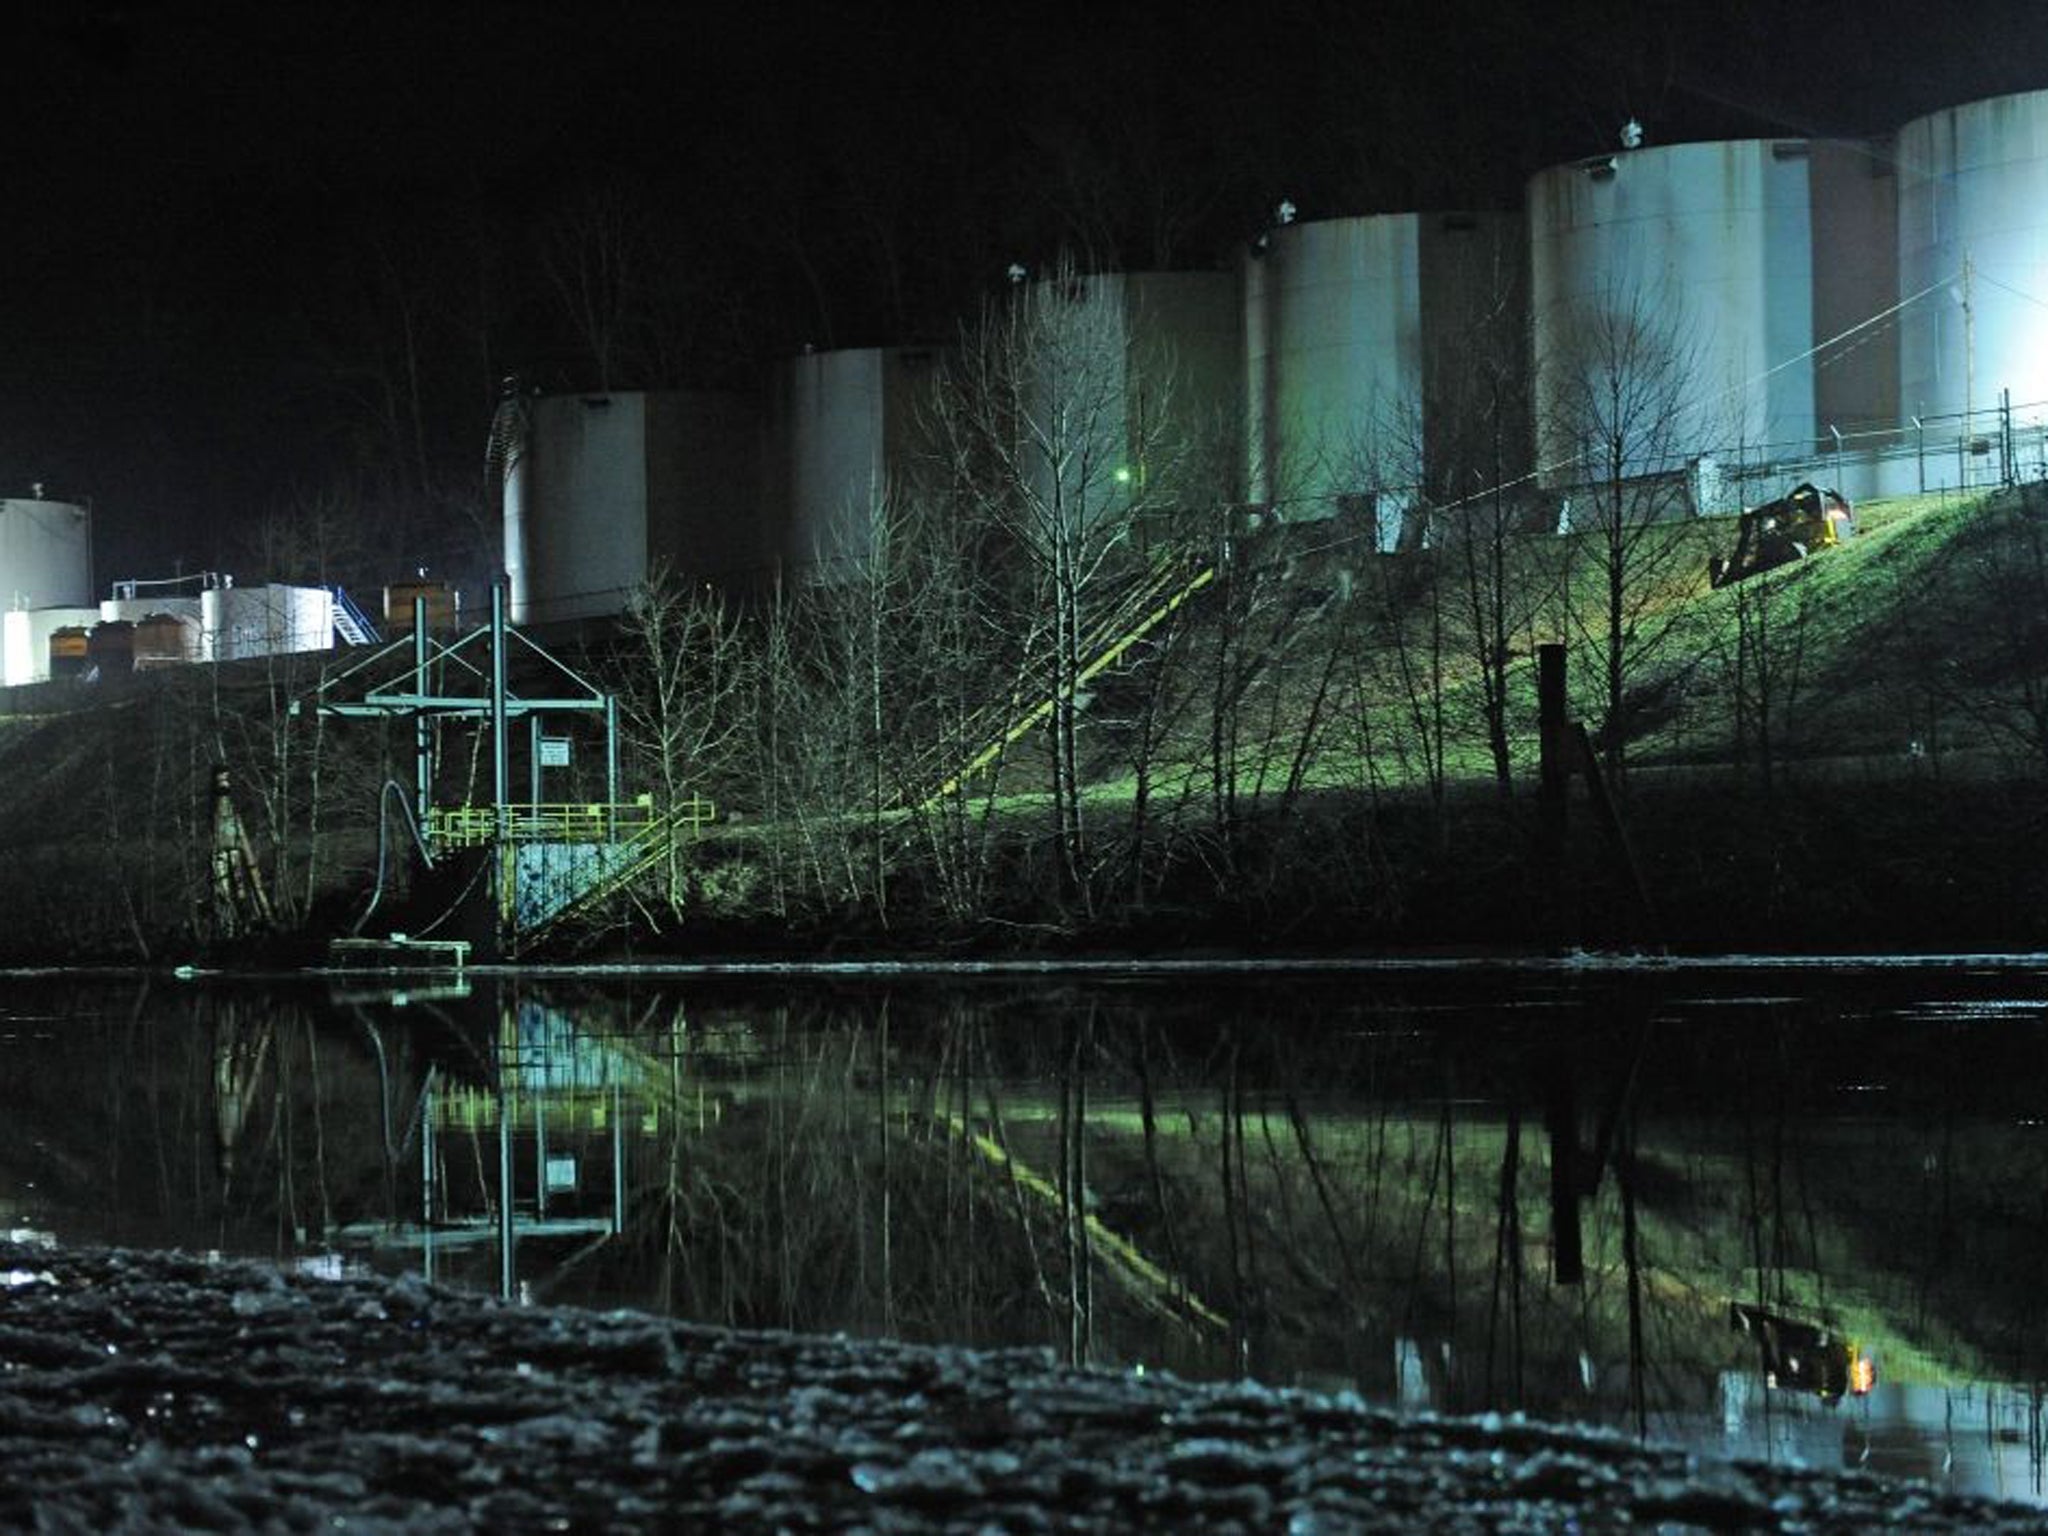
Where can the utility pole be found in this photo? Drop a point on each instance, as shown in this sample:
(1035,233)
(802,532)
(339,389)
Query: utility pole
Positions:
(1969,365)
(422,725)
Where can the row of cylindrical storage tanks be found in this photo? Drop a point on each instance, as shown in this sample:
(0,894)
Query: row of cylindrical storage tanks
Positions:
(121,635)
(1773,302)
(602,490)
(222,622)
(116,646)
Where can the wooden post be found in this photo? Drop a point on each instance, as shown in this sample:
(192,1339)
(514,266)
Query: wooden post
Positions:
(1554,804)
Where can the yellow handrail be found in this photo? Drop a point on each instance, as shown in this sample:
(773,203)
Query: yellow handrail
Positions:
(1044,707)
(475,826)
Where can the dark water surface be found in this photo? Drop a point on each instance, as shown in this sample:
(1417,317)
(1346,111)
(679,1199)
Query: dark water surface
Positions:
(1771,1211)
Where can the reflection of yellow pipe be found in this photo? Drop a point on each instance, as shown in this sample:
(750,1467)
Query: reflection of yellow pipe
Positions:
(1131,637)
(1152,1286)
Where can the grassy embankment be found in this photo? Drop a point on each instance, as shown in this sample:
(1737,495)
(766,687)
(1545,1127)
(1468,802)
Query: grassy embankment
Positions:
(1842,753)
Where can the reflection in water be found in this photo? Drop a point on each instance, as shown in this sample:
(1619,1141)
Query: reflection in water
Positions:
(1805,1357)
(1666,1203)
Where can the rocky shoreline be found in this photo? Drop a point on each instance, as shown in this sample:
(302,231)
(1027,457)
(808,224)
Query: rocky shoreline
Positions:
(147,1391)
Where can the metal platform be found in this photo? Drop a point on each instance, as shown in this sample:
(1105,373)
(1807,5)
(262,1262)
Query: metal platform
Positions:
(397,952)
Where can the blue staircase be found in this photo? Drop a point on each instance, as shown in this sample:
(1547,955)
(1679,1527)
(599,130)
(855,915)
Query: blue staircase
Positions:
(351,624)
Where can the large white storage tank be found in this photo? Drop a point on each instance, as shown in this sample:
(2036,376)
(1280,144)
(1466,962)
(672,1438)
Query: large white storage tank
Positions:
(1372,346)
(1133,384)
(847,429)
(602,491)
(1183,351)
(1973,262)
(1678,280)
(45,553)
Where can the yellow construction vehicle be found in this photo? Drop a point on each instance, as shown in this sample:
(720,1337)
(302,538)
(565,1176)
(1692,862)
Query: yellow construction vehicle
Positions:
(1806,519)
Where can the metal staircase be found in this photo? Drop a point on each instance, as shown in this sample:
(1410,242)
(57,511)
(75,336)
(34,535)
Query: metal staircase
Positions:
(351,624)
(1141,607)
(557,861)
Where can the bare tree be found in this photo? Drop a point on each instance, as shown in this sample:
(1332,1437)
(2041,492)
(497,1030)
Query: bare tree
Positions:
(678,687)
(1969,635)
(620,284)
(1770,646)
(1048,437)
(1625,394)
(1472,475)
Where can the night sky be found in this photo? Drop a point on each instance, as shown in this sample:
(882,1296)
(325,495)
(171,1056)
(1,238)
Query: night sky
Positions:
(264,266)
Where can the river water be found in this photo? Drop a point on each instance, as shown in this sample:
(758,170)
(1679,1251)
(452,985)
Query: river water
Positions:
(1771,1210)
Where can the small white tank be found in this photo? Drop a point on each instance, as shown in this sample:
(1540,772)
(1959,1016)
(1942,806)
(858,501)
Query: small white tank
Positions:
(240,622)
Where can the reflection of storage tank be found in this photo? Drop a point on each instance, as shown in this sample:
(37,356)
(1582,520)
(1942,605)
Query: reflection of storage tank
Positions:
(845,428)
(70,652)
(238,622)
(444,606)
(45,553)
(111,648)
(1373,348)
(1973,228)
(1682,279)
(601,491)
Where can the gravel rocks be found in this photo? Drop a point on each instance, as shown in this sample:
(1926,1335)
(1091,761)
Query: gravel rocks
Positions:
(144,1391)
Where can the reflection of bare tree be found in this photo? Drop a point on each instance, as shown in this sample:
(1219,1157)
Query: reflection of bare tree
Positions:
(1073,1185)
(241,1046)
(1021,1209)
(1507,1256)
(1627,406)
(1358,1211)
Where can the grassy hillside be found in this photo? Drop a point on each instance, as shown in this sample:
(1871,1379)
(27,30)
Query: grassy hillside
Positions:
(1919,646)
(1844,752)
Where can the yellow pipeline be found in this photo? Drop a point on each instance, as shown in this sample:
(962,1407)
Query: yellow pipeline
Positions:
(1038,713)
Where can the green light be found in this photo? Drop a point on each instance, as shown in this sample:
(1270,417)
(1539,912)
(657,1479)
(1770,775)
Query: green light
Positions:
(1123,474)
